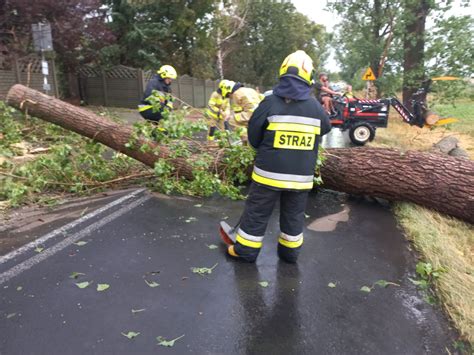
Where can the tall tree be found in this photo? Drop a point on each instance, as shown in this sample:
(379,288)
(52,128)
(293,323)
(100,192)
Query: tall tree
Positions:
(366,37)
(415,13)
(273,30)
(151,33)
(78,28)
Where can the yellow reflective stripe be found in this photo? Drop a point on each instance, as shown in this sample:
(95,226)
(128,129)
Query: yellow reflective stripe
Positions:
(294,127)
(144,108)
(289,244)
(282,184)
(248,243)
(212,114)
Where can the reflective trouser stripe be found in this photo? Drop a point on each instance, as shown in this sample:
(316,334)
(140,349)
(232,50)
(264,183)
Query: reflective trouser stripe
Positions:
(142,108)
(248,243)
(289,241)
(249,240)
(284,181)
(293,127)
(282,184)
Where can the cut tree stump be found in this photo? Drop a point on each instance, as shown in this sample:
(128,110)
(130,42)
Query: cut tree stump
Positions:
(436,181)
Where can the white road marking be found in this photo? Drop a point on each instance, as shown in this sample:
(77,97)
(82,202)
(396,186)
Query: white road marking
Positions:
(63,229)
(29,263)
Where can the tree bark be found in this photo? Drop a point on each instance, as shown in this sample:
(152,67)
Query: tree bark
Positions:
(440,182)
(414,47)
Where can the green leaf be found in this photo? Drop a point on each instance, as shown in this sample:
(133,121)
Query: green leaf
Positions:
(138,310)
(198,205)
(39,249)
(365,289)
(130,335)
(306,215)
(75,275)
(19,288)
(83,284)
(331,284)
(152,283)
(11,315)
(191,219)
(203,270)
(102,287)
(168,343)
(263,283)
(383,283)
(212,246)
(81,243)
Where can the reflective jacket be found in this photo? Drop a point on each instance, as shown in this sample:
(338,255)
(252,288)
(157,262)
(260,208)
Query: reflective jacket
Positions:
(244,102)
(286,136)
(162,92)
(217,107)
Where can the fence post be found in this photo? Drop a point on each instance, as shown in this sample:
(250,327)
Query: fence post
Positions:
(141,86)
(205,95)
(193,82)
(17,70)
(179,88)
(104,87)
(55,79)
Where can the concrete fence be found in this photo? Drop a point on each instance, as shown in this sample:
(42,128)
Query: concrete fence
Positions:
(123,87)
(26,71)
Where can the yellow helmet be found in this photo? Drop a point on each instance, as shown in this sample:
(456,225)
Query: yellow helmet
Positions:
(298,65)
(226,87)
(167,71)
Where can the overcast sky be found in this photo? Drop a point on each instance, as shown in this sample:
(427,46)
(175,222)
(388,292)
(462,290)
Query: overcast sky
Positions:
(314,9)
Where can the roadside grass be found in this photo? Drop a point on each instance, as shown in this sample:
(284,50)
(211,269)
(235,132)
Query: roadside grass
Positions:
(445,242)
(448,244)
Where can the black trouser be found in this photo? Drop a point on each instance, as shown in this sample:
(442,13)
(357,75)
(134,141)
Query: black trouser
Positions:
(150,115)
(258,209)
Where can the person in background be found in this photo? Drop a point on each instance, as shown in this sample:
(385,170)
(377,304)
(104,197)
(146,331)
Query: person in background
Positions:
(348,93)
(244,101)
(218,110)
(158,89)
(324,93)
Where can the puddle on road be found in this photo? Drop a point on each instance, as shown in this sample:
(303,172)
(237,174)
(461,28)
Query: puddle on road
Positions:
(328,223)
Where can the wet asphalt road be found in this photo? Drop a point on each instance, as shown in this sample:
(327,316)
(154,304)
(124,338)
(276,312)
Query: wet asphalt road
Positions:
(159,239)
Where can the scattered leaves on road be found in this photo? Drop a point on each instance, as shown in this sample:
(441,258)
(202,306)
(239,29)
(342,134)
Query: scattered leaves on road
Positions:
(152,283)
(130,335)
(191,219)
(332,285)
(366,289)
(263,283)
(168,343)
(39,249)
(11,315)
(198,205)
(203,270)
(80,243)
(138,310)
(212,246)
(75,275)
(19,288)
(102,287)
(383,283)
(83,284)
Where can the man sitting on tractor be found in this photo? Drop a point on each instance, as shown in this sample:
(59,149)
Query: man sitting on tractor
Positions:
(324,93)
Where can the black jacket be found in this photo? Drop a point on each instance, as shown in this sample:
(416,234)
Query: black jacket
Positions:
(286,136)
(156,83)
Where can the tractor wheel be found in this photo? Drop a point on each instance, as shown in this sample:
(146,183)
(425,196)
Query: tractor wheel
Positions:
(361,134)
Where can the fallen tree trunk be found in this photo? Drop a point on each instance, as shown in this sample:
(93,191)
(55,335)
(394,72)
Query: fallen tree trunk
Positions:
(442,183)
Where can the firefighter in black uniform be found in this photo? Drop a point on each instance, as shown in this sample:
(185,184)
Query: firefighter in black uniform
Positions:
(160,88)
(285,130)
